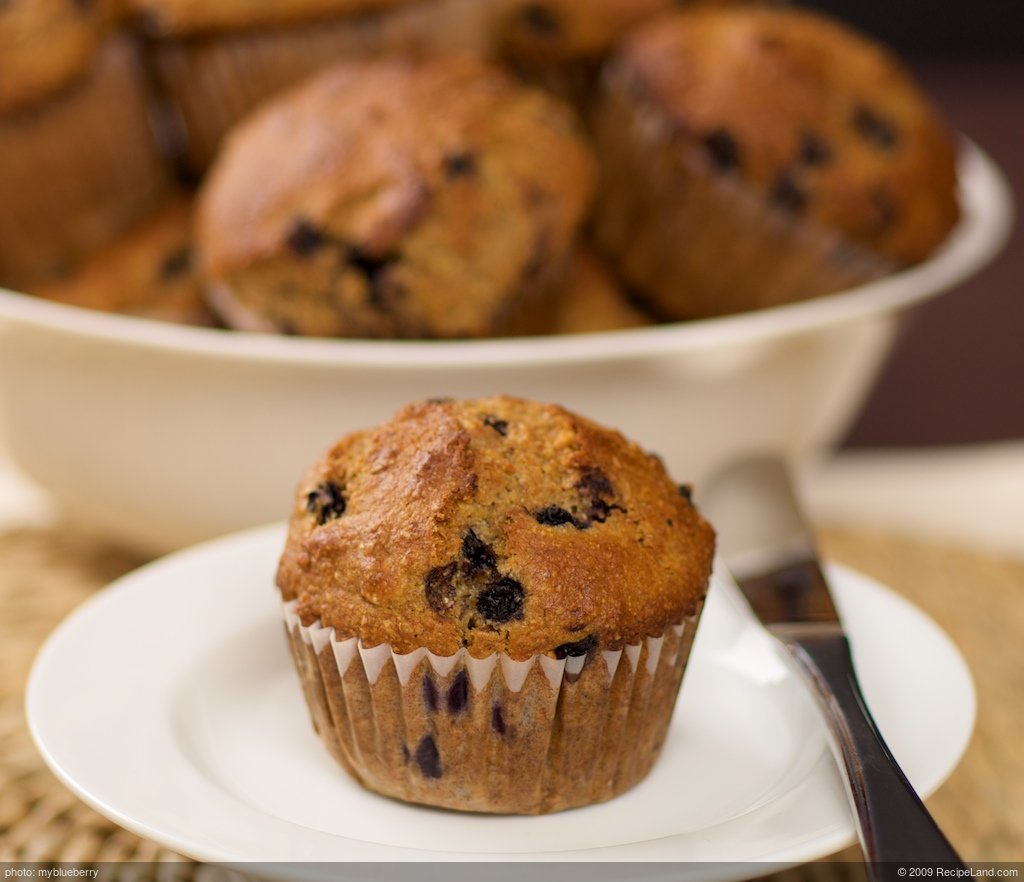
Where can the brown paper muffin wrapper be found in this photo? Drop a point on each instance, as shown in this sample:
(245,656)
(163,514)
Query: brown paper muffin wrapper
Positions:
(696,242)
(212,81)
(77,169)
(491,734)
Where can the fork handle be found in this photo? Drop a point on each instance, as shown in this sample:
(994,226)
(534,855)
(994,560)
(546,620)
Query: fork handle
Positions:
(895,827)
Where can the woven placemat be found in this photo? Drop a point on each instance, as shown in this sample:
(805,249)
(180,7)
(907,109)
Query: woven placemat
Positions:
(979,601)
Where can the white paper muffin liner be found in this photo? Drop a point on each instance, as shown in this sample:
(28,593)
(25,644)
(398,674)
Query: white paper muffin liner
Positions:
(491,734)
(78,168)
(696,242)
(213,81)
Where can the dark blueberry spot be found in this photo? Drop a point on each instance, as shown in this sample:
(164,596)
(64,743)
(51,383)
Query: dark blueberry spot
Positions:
(723,150)
(875,128)
(430,694)
(427,757)
(594,482)
(813,150)
(501,600)
(405,754)
(477,553)
(555,516)
(885,209)
(305,239)
(669,522)
(438,585)
(175,264)
(595,486)
(497,719)
(460,165)
(499,426)
(327,502)
(458,693)
(580,647)
(541,20)
(686,491)
(287,327)
(374,270)
(787,194)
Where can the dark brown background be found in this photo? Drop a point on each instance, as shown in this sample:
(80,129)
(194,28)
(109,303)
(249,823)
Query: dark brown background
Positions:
(958,373)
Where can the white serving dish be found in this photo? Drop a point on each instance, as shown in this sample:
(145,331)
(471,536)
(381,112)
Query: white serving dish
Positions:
(165,435)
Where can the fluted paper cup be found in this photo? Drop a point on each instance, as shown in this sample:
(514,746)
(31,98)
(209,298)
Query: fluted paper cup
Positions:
(491,734)
(79,168)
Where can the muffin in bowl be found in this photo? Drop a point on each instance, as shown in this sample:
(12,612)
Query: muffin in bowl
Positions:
(756,156)
(353,207)
(79,160)
(217,61)
(146,272)
(491,604)
(591,300)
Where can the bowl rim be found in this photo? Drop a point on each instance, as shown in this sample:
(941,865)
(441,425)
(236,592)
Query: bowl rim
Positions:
(984,227)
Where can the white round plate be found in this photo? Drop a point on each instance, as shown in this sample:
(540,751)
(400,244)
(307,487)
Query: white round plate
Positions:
(168,702)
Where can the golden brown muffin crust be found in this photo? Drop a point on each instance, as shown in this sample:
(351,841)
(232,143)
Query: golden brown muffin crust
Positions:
(560,30)
(591,300)
(147,272)
(44,44)
(824,121)
(496,524)
(188,17)
(395,198)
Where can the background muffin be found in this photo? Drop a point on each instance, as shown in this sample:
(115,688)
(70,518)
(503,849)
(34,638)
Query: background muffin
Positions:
(562,30)
(217,61)
(45,44)
(561,44)
(353,207)
(512,591)
(755,156)
(78,166)
(591,300)
(147,272)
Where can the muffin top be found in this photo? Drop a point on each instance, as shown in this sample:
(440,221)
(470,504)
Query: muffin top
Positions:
(498,524)
(564,30)
(395,198)
(44,44)
(191,17)
(823,121)
(590,300)
(147,272)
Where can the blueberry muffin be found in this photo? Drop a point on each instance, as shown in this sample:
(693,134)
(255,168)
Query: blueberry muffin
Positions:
(591,300)
(217,61)
(352,207)
(491,603)
(147,272)
(755,156)
(563,30)
(44,45)
(78,166)
(562,43)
